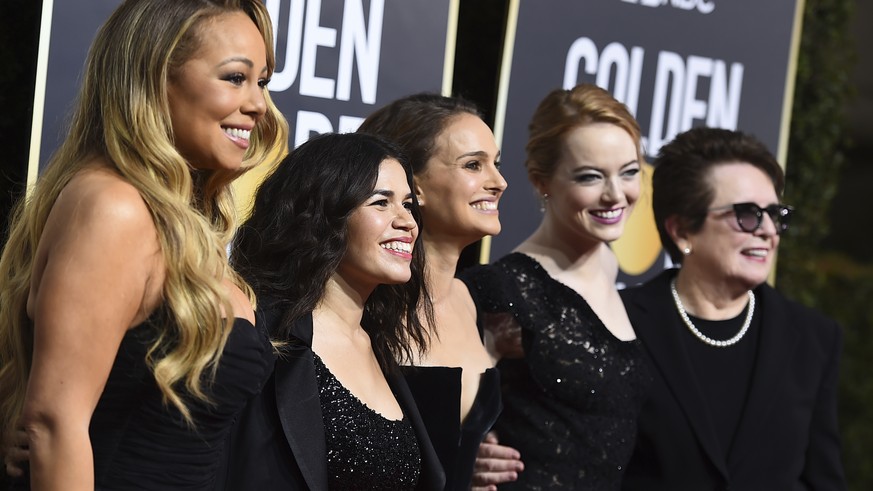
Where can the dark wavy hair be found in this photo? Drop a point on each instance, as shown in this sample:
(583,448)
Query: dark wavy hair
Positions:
(414,122)
(680,183)
(297,236)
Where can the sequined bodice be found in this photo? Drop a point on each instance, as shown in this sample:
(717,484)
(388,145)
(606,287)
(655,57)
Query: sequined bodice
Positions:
(570,405)
(364,449)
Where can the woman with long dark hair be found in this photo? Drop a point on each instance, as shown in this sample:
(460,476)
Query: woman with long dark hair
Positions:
(458,184)
(330,249)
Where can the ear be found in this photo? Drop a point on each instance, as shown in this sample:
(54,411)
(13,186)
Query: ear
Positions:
(677,232)
(419,192)
(539,184)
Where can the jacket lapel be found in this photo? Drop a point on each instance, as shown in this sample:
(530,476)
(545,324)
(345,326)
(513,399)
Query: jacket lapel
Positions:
(299,405)
(432,476)
(775,347)
(661,337)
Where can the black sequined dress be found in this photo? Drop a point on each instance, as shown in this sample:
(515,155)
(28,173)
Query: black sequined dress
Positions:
(365,450)
(570,405)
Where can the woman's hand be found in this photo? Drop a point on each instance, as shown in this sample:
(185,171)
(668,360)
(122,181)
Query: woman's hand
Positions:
(502,336)
(495,464)
(17,454)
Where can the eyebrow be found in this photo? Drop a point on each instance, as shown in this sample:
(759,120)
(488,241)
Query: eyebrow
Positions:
(477,153)
(241,59)
(388,193)
(599,169)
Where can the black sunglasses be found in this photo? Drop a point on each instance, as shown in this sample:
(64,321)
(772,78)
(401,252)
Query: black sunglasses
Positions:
(750,216)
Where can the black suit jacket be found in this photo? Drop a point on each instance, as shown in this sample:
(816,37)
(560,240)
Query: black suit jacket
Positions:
(787,438)
(278,441)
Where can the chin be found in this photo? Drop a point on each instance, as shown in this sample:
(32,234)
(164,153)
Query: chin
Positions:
(396,279)
(611,237)
(750,283)
(492,231)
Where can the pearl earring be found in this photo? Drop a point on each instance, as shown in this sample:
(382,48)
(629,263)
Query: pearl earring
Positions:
(543,201)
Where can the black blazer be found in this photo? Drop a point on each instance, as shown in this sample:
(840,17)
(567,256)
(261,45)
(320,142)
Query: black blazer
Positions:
(787,438)
(278,441)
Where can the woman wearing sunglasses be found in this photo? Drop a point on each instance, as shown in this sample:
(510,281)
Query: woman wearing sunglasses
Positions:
(745,380)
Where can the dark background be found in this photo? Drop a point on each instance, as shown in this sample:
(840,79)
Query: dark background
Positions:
(828,264)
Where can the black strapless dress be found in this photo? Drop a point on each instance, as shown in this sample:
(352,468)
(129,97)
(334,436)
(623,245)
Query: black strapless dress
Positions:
(141,443)
(437,393)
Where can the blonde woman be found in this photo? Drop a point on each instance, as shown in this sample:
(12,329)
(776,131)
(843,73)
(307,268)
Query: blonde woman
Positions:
(127,344)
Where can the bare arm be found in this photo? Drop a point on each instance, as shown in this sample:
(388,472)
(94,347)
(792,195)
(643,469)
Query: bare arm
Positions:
(94,264)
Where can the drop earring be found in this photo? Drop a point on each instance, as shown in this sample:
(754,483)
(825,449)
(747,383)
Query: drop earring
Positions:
(544,199)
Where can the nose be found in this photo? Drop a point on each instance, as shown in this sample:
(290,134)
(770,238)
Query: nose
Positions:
(496,182)
(403,219)
(612,192)
(255,104)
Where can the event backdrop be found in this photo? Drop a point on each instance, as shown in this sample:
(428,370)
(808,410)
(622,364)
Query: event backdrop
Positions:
(337,61)
(676,64)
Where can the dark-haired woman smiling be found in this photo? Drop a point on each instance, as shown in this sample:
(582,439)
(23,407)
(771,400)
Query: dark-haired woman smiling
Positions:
(458,184)
(331,250)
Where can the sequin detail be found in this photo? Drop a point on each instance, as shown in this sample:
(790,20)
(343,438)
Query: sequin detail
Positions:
(570,405)
(364,449)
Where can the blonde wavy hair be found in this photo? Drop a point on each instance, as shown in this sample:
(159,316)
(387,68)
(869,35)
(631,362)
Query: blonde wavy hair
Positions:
(122,115)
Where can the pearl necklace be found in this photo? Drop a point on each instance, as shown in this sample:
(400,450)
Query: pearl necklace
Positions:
(699,335)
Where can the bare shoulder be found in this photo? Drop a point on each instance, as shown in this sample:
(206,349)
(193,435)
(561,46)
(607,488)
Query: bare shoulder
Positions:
(102,196)
(99,209)
(99,238)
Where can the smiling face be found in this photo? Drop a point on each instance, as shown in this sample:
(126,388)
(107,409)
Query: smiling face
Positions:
(217,96)
(594,185)
(461,185)
(720,250)
(381,233)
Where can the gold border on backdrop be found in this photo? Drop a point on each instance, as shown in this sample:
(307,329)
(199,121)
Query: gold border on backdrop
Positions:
(45,31)
(502,95)
(788,103)
(451,42)
(790,76)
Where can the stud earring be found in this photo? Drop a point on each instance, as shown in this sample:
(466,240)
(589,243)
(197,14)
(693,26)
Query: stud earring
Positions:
(686,251)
